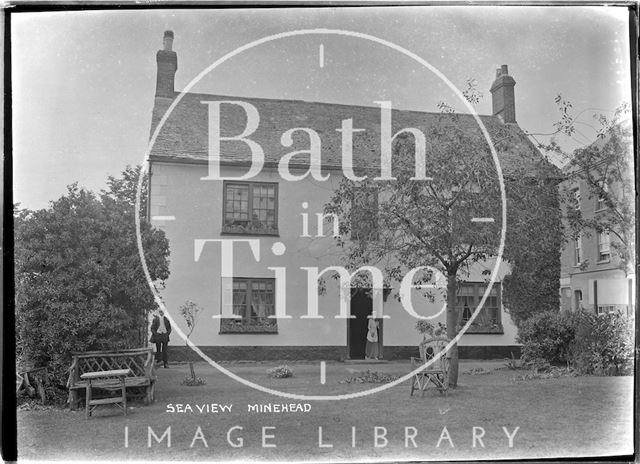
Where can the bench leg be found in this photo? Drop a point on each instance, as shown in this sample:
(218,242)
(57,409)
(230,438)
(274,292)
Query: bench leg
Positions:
(88,400)
(124,397)
(152,392)
(73,399)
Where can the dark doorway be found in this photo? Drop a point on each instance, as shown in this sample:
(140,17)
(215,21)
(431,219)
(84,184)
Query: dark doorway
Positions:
(361,308)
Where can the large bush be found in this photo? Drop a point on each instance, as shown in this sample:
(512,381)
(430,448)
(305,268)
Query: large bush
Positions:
(593,344)
(79,281)
(603,344)
(547,336)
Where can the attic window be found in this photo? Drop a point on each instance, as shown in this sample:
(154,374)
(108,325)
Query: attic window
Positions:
(250,208)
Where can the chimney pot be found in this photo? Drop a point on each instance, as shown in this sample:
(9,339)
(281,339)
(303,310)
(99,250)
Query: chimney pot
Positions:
(168,40)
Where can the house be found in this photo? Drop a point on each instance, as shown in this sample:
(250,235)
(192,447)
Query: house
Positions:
(274,222)
(593,277)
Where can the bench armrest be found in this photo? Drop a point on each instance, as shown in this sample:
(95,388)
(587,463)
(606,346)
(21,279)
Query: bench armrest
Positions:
(73,373)
(150,366)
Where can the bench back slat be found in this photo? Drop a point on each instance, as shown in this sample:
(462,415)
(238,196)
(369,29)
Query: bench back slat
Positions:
(98,361)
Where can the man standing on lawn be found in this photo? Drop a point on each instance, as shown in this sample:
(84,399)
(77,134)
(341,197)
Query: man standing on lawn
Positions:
(160,330)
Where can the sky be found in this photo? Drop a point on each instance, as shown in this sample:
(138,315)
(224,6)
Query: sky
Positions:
(84,82)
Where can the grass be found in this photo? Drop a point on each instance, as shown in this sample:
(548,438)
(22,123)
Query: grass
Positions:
(567,416)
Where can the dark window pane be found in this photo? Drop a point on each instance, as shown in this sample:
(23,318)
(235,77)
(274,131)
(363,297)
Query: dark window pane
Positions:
(364,214)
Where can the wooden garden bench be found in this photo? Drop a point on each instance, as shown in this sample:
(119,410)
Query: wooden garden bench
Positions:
(437,373)
(103,369)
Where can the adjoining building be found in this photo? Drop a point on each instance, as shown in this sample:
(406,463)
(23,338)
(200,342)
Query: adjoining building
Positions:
(196,213)
(593,277)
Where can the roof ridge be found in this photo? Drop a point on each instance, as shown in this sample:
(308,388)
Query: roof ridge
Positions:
(311,102)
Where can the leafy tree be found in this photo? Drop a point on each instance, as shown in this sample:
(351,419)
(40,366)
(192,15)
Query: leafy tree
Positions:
(79,281)
(412,223)
(605,168)
(190,312)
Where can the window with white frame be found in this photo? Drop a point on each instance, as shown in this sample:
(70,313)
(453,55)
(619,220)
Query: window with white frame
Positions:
(253,299)
(606,309)
(576,199)
(577,248)
(468,298)
(577,301)
(601,204)
(604,246)
(250,208)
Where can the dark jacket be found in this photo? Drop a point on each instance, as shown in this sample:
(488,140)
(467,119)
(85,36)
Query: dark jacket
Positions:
(156,337)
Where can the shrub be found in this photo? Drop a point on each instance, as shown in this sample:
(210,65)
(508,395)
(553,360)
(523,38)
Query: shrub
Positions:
(477,371)
(280,372)
(547,337)
(592,344)
(425,327)
(193,381)
(603,344)
(370,377)
(551,373)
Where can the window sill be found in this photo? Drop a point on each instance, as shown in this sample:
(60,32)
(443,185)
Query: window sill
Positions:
(247,326)
(495,329)
(238,231)
(604,261)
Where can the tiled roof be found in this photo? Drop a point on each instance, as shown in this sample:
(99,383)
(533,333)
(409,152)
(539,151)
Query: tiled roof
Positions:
(184,136)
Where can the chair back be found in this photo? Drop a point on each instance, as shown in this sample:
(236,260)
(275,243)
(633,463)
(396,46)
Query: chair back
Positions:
(430,347)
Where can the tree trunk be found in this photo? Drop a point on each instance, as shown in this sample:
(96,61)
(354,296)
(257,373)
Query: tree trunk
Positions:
(190,360)
(452,322)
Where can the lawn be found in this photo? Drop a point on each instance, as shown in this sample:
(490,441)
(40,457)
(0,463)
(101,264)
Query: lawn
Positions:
(567,416)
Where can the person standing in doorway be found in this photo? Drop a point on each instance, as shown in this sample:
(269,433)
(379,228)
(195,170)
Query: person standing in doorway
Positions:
(160,330)
(372,350)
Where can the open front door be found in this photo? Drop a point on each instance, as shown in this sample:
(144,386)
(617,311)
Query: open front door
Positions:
(361,308)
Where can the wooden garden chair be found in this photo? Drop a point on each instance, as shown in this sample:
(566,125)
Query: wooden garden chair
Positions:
(437,373)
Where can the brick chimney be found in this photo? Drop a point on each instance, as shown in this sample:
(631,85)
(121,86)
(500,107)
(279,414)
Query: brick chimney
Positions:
(167,66)
(503,97)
